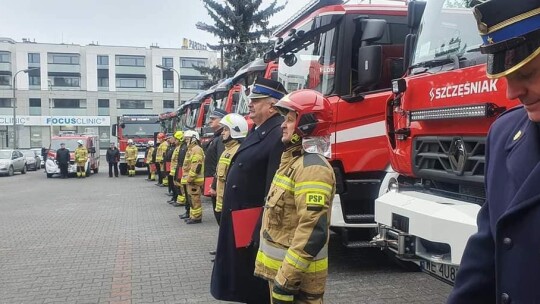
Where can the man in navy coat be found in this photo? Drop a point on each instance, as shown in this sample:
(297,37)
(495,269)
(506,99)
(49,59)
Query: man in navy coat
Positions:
(501,263)
(249,178)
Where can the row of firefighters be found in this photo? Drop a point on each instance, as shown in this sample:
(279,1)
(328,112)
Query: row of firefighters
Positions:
(291,254)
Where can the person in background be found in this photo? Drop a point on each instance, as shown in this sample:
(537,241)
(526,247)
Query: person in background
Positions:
(148,160)
(501,262)
(160,151)
(249,178)
(81,157)
(113,157)
(62,158)
(212,153)
(131,157)
(193,176)
(293,252)
(177,140)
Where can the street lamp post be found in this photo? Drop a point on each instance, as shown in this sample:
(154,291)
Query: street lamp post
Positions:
(179,79)
(50,114)
(15,143)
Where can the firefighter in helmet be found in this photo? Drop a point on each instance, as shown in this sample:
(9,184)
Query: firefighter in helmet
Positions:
(162,147)
(81,156)
(293,251)
(235,129)
(131,157)
(178,139)
(193,175)
(148,161)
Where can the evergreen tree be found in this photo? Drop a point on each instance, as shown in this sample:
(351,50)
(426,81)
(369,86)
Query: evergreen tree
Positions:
(241,25)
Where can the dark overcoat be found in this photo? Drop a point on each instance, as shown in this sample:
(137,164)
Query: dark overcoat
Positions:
(249,178)
(501,263)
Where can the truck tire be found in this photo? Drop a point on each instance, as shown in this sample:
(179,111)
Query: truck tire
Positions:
(88,171)
(123,169)
(96,170)
(49,175)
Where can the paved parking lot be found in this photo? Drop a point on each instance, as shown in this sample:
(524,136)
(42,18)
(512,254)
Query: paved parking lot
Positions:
(115,240)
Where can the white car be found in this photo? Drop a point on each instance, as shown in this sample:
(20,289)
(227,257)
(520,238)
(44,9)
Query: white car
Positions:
(12,161)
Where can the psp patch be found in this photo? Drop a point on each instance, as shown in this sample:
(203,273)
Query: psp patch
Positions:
(314,201)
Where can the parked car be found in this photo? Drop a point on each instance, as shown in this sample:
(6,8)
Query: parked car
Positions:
(39,151)
(12,161)
(33,161)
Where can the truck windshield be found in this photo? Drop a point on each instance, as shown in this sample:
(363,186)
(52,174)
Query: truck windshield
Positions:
(314,67)
(448,30)
(71,144)
(140,130)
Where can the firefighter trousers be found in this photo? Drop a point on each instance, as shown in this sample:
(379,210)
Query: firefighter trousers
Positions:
(300,298)
(81,172)
(194,192)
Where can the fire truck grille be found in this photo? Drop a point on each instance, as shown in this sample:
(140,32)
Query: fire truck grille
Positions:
(455,159)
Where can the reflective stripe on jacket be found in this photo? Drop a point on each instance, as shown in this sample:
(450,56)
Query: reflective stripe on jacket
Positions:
(162,148)
(294,235)
(149,153)
(174,160)
(131,152)
(193,168)
(222,169)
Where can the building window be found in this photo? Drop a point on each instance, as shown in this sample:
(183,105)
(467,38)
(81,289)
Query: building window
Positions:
(5,80)
(33,58)
(168,83)
(5,103)
(5,57)
(34,80)
(192,84)
(35,102)
(130,60)
(191,62)
(167,62)
(35,137)
(168,104)
(103,103)
(103,77)
(65,81)
(63,58)
(134,104)
(69,103)
(103,60)
(130,83)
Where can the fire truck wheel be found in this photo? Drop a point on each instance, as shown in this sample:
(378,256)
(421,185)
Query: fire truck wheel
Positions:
(96,170)
(49,175)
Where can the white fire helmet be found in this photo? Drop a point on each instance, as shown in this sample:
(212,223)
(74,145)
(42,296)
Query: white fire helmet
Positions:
(80,142)
(130,141)
(237,124)
(151,143)
(191,134)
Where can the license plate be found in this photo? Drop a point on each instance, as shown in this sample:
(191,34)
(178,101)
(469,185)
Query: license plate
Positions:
(444,272)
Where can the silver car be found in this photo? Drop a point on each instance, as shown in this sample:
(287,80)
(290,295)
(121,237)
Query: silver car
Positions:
(33,161)
(12,161)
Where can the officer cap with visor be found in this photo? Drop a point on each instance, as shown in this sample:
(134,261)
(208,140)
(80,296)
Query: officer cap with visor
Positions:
(263,88)
(218,113)
(511,34)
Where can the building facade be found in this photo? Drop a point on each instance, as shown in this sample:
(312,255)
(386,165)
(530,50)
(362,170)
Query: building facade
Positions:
(67,87)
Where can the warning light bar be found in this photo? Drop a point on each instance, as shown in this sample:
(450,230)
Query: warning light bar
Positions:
(471,111)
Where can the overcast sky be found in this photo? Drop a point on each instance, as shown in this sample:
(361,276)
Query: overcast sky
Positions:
(114,22)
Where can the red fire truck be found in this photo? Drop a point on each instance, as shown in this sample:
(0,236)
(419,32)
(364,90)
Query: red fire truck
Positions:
(138,127)
(437,121)
(350,53)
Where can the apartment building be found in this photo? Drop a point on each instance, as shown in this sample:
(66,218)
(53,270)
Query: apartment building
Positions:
(89,86)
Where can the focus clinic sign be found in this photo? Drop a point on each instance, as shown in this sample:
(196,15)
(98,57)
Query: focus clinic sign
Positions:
(65,120)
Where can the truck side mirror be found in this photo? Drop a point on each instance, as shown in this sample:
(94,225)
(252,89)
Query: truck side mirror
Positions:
(113,129)
(372,30)
(369,65)
(122,125)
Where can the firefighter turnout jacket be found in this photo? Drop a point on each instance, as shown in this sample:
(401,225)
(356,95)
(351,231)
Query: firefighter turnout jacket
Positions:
(222,169)
(131,154)
(193,167)
(174,160)
(160,154)
(293,251)
(81,155)
(149,153)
